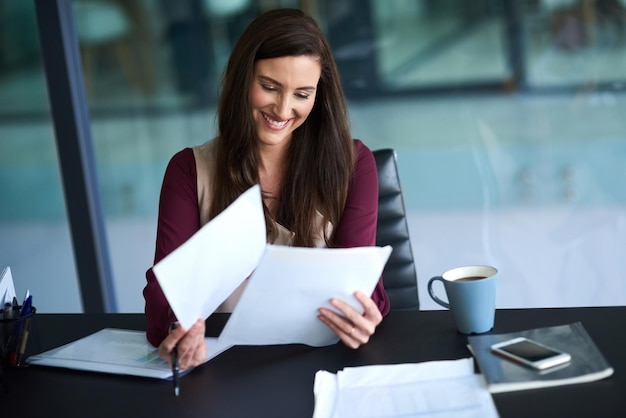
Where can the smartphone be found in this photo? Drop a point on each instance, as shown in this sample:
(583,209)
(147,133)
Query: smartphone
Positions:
(531,353)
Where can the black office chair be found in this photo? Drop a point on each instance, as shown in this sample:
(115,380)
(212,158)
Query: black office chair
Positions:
(399,276)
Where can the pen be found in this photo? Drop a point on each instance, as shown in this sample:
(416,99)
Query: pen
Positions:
(8,311)
(23,342)
(26,306)
(21,337)
(175,368)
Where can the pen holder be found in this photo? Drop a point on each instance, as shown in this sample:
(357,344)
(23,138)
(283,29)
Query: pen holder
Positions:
(17,339)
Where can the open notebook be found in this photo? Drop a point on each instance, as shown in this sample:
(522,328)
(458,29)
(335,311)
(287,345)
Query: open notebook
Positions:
(117,351)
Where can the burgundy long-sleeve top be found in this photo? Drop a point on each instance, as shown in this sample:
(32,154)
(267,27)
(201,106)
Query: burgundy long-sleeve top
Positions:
(179,219)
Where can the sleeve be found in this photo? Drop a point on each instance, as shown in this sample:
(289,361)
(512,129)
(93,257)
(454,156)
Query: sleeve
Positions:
(357,227)
(178,220)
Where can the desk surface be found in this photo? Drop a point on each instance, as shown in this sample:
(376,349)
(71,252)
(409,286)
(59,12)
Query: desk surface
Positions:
(277,381)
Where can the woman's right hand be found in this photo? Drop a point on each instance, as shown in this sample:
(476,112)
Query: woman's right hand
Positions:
(192,349)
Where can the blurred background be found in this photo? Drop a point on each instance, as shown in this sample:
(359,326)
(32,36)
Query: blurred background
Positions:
(505,116)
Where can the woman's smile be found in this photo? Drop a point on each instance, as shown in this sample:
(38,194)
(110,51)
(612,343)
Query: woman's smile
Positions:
(273,123)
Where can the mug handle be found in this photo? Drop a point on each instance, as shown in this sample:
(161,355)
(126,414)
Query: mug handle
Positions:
(432,293)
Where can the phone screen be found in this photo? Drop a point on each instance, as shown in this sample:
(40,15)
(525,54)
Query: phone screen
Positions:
(529,351)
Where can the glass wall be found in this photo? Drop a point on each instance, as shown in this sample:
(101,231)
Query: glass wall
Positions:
(34,235)
(439,43)
(523,172)
(578,43)
(506,117)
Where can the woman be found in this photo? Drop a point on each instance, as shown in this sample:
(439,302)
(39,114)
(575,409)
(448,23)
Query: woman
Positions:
(282,124)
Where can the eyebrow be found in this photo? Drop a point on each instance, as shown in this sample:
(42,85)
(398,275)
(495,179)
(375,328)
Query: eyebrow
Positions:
(279,84)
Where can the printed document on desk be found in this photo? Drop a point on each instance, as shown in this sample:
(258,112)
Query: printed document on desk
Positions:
(116,351)
(447,388)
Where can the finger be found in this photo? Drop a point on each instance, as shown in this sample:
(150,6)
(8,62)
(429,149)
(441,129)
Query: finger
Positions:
(168,344)
(195,355)
(353,328)
(350,337)
(370,310)
(197,351)
(186,361)
(189,344)
(338,322)
(164,353)
(185,352)
(201,354)
(352,334)
(363,322)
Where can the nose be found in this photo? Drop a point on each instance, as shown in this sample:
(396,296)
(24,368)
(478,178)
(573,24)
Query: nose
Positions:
(283,107)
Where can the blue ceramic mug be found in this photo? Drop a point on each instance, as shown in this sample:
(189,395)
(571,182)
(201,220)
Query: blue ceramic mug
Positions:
(471,292)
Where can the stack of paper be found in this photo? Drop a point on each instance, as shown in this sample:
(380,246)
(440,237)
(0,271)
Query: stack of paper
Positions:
(431,389)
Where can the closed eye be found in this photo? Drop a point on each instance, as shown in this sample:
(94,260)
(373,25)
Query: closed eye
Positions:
(268,88)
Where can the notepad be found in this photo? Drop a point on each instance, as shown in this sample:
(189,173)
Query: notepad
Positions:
(587,363)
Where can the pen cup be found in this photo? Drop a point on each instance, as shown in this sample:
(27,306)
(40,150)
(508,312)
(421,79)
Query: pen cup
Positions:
(18,338)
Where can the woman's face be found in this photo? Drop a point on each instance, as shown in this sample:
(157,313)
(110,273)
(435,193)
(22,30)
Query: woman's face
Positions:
(282,95)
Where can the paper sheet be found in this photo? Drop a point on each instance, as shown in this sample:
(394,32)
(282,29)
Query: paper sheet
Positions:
(115,351)
(281,299)
(200,274)
(7,287)
(432,389)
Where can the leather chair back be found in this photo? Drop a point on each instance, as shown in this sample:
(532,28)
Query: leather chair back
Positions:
(399,275)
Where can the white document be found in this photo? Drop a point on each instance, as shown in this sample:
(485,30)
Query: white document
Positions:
(7,287)
(432,389)
(200,274)
(116,351)
(280,302)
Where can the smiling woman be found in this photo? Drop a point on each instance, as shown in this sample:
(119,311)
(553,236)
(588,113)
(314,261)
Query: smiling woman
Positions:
(283,124)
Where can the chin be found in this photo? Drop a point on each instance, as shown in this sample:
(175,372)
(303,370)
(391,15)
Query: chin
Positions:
(274,138)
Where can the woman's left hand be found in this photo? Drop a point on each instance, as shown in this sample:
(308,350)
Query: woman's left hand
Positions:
(353,328)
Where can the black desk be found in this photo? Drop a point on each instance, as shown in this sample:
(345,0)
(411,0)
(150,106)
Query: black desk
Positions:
(277,381)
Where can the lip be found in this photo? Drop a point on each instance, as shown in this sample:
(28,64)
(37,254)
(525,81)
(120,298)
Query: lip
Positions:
(266,118)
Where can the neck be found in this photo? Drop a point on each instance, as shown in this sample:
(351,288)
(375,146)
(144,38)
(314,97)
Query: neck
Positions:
(271,168)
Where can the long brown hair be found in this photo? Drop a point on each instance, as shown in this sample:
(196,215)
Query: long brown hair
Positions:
(320,158)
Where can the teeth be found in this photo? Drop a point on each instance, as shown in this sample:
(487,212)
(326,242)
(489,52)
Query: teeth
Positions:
(275,123)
